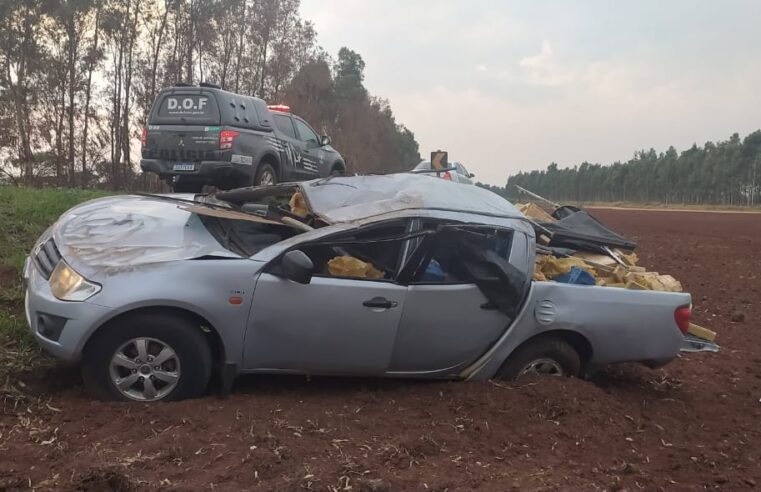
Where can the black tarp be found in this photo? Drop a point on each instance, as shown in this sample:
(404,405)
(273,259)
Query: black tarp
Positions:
(579,230)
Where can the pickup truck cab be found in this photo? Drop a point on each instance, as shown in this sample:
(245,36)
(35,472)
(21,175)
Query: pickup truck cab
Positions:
(331,276)
(204,135)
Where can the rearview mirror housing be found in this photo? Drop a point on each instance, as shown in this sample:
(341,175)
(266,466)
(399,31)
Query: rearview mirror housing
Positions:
(297,266)
(325,140)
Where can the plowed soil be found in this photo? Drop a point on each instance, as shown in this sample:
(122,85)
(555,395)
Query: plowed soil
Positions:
(695,424)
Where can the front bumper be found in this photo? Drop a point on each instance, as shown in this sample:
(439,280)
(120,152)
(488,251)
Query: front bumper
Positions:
(60,327)
(203,169)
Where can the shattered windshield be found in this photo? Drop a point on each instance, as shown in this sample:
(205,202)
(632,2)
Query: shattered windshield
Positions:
(245,237)
(248,227)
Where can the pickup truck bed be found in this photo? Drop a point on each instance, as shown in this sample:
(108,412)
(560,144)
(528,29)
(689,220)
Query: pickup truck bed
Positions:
(616,324)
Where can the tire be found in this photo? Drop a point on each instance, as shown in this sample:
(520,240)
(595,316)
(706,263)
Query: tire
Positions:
(187,186)
(539,355)
(184,375)
(337,171)
(265,175)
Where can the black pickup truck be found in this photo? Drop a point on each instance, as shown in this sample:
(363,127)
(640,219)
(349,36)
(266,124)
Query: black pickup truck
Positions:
(204,135)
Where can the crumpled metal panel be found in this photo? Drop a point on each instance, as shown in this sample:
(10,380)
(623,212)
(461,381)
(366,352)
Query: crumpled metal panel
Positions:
(124,231)
(348,199)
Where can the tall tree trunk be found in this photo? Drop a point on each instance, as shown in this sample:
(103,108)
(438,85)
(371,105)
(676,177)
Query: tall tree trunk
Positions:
(73,41)
(126,141)
(18,93)
(156,53)
(191,42)
(239,58)
(60,171)
(116,147)
(88,92)
(263,68)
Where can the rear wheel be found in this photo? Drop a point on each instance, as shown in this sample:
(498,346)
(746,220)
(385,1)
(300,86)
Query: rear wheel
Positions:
(185,185)
(265,175)
(542,356)
(148,357)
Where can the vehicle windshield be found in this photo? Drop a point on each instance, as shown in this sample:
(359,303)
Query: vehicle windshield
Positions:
(245,237)
(244,229)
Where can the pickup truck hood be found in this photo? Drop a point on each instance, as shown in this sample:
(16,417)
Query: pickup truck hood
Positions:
(120,232)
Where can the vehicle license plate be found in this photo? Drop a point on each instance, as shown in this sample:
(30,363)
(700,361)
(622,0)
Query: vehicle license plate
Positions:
(184,166)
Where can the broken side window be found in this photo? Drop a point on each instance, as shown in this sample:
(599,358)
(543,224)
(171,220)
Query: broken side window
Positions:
(442,257)
(373,254)
(469,254)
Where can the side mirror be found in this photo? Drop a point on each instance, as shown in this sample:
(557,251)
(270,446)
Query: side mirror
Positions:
(325,140)
(297,266)
(471,175)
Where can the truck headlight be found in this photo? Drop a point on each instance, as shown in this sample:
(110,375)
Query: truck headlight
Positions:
(68,285)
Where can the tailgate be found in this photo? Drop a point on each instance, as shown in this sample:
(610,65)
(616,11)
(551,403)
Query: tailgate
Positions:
(183,143)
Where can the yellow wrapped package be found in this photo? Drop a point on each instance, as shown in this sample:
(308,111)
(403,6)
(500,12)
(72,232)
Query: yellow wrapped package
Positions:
(349,266)
(298,205)
(553,267)
(533,211)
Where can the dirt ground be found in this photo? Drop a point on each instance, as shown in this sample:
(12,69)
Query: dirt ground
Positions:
(691,425)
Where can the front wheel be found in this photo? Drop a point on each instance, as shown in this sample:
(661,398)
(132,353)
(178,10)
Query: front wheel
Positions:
(148,357)
(542,356)
(265,175)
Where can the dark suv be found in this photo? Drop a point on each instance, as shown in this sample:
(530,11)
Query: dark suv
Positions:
(205,135)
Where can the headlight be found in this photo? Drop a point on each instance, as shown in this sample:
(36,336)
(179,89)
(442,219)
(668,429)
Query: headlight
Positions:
(68,285)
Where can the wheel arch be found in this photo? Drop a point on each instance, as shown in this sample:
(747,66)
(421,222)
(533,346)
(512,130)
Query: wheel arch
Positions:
(212,335)
(269,157)
(576,340)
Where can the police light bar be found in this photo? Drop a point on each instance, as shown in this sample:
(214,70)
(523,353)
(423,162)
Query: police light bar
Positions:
(279,107)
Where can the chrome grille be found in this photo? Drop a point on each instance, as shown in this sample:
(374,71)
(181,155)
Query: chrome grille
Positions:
(47,257)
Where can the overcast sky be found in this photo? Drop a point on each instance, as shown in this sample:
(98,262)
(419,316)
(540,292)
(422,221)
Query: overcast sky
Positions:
(510,86)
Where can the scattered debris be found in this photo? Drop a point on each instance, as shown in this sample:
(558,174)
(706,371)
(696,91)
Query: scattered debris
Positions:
(581,244)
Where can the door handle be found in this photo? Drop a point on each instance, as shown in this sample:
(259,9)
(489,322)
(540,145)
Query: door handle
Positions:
(489,306)
(380,303)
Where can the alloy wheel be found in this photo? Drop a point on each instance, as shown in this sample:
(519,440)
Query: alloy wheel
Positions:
(145,369)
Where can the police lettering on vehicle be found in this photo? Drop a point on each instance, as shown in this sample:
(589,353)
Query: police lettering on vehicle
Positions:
(186,105)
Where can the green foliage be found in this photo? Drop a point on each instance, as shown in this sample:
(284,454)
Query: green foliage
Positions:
(24,214)
(726,173)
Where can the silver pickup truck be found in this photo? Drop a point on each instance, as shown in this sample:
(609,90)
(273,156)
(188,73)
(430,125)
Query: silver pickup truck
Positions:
(396,276)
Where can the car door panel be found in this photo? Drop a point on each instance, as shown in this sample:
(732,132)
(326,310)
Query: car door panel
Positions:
(322,327)
(310,147)
(293,148)
(445,326)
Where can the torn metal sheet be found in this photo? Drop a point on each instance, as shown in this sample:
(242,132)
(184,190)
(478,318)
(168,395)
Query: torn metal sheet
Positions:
(228,214)
(240,196)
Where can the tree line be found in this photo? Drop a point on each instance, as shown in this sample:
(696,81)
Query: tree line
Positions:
(78,78)
(726,172)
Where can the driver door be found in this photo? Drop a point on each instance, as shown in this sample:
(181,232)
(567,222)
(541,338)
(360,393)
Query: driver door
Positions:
(334,324)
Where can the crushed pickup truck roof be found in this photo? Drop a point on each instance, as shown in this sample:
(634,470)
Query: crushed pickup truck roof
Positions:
(348,199)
